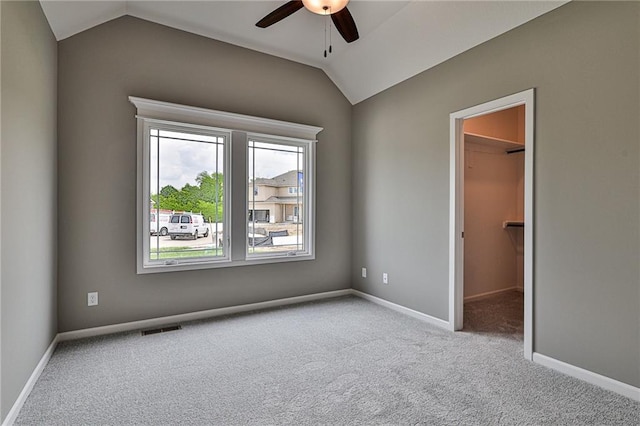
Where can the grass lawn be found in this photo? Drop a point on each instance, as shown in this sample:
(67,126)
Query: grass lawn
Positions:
(183,252)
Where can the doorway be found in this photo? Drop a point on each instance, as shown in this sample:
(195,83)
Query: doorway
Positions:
(493,287)
(516,225)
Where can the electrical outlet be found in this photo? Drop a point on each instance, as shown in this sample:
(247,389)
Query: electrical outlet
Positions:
(385,278)
(364,272)
(92,298)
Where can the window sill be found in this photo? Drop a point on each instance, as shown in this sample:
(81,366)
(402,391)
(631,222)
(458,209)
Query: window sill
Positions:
(194,266)
(260,260)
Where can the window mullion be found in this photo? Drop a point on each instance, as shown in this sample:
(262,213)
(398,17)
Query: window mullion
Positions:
(298,198)
(215,237)
(158,196)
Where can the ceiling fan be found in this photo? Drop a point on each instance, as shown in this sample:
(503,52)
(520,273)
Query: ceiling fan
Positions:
(340,15)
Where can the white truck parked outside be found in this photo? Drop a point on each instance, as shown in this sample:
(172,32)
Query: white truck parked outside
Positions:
(187,225)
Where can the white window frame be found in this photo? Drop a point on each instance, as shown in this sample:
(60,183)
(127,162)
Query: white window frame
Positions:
(177,264)
(239,127)
(308,198)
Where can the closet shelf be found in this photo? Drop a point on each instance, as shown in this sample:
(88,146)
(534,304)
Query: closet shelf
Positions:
(508,146)
(512,224)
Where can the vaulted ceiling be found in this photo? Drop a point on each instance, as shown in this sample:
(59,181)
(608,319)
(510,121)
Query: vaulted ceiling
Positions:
(398,39)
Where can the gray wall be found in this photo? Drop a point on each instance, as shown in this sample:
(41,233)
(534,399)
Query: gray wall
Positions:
(98,70)
(583,58)
(28,178)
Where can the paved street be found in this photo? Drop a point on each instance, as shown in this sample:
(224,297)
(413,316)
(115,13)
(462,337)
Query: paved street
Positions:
(166,241)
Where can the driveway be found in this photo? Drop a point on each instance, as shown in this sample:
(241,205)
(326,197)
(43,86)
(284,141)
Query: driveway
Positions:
(185,242)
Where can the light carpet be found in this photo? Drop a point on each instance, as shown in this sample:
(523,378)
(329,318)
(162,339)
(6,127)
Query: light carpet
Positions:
(339,361)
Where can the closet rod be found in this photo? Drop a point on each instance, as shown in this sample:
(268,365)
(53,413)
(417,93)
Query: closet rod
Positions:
(513,151)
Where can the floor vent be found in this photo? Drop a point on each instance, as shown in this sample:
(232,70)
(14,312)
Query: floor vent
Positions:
(161,330)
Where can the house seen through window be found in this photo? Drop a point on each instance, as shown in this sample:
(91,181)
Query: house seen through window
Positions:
(276,221)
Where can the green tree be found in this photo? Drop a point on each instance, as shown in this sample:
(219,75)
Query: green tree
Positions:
(188,197)
(168,191)
(206,197)
(212,186)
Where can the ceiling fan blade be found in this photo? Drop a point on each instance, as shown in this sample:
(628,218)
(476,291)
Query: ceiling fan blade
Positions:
(345,25)
(280,13)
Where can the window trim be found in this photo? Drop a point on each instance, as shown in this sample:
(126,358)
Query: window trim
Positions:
(239,127)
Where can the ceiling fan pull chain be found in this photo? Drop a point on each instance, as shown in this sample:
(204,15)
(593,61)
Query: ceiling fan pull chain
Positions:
(330,43)
(325,33)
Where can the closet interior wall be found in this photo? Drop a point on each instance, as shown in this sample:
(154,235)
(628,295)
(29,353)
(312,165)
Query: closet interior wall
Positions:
(493,194)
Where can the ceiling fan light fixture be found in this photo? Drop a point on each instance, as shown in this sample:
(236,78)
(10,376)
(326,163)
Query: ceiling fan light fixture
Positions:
(324,7)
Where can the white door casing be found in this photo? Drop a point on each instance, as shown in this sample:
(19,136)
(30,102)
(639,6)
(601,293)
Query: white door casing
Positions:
(456,208)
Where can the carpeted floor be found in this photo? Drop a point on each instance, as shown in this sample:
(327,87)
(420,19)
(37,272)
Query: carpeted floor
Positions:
(340,361)
(501,315)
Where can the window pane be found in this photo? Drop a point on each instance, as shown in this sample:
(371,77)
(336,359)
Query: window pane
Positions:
(186,190)
(276,201)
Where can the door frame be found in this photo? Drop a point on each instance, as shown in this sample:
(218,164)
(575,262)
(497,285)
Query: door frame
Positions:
(456,208)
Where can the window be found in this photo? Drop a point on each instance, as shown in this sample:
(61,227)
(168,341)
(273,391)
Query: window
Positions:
(186,175)
(278,164)
(185,191)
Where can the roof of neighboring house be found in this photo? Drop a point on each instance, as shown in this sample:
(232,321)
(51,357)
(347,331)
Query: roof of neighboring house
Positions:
(282,200)
(289,178)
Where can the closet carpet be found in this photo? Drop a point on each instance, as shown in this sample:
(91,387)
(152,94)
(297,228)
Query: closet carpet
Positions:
(339,361)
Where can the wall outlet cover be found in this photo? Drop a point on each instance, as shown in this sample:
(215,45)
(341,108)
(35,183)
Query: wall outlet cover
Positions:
(92,298)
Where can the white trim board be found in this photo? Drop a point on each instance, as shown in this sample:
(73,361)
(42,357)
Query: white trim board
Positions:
(153,322)
(407,311)
(152,109)
(599,380)
(192,316)
(590,377)
(28,387)
(0,218)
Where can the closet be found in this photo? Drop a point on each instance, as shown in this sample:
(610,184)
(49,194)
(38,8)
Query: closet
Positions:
(494,203)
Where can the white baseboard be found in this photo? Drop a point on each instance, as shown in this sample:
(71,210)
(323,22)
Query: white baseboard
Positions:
(588,376)
(407,311)
(490,293)
(607,383)
(154,322)
(28,387)
(192,316)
